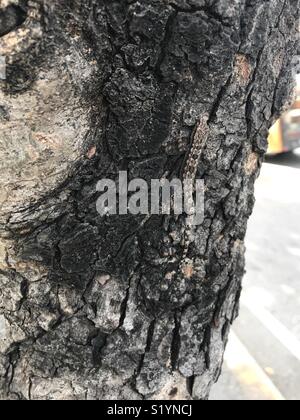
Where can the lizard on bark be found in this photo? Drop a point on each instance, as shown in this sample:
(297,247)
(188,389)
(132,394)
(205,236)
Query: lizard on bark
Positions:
(189,173)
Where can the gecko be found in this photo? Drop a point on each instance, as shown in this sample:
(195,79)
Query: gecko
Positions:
(189,173)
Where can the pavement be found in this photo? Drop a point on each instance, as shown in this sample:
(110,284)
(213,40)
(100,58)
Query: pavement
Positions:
(262,361)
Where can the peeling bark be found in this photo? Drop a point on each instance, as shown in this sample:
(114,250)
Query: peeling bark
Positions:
(89,308)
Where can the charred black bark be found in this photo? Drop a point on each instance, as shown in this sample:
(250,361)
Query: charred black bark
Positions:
(89,306)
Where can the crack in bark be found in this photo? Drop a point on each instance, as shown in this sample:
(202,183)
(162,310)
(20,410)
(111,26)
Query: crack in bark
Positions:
(190,384)
(280,14)
(149,340)
(164,44)
(216,105)
(124,307)
(206,345)
(176,342)
(30,389)
(251,87)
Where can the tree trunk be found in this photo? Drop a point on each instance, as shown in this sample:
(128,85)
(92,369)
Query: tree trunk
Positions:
(92,307)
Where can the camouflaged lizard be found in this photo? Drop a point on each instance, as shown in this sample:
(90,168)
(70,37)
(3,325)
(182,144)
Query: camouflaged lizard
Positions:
(189,173)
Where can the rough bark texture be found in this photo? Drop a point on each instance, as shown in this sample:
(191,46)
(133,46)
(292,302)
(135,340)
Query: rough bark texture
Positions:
(89,305)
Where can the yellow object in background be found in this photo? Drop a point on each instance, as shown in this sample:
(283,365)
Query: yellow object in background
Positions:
(275,139)
(285,134)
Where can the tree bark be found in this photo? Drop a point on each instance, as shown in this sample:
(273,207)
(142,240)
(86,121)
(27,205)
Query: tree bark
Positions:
(89,305)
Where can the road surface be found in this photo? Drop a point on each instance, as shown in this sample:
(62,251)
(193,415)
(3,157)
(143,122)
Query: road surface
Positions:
(262,361)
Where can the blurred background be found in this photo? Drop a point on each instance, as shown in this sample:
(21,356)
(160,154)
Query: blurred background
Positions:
(262,361)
